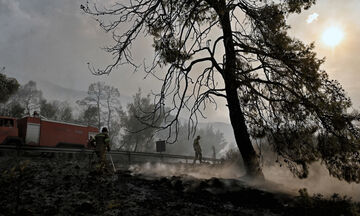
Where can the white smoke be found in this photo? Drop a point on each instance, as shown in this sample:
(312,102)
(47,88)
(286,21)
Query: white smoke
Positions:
(202,171)
(279,179)
(318,181)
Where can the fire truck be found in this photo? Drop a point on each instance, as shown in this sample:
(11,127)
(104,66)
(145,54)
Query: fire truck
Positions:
(36,131)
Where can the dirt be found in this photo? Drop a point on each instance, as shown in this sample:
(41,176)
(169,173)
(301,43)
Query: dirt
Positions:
(52,187)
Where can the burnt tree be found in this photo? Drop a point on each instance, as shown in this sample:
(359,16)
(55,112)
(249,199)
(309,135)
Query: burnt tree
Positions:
(240,50)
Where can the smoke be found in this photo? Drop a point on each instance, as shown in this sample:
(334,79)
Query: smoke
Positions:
(202,171)
(278,179)
(318,181)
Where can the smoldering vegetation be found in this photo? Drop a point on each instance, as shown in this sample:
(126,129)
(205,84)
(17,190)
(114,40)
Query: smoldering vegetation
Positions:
(199,171)
(58,187)
(278,178)
(318,182)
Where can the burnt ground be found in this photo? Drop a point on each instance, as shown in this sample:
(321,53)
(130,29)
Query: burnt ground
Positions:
(50,187)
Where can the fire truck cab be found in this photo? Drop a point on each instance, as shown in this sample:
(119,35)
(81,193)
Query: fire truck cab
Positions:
(8,131)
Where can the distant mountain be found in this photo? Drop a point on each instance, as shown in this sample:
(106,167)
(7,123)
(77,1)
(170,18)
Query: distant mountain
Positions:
(53,91)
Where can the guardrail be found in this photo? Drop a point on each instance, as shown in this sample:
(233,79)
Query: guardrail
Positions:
(128,155)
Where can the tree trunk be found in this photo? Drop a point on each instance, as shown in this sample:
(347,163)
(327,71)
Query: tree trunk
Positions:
(242,137)
(237,118)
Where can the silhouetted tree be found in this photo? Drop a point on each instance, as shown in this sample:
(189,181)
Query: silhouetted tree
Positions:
(89,116)
(8,86)
(137,136)
(240,50)
(114,132)
(111,99)
(16,110)
(94,98)
(104,99)
(65,112)
(12,108)
(29,97)
(48,109)
(57,110)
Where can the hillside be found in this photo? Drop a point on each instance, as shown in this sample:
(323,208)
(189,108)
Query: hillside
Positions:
(48,187)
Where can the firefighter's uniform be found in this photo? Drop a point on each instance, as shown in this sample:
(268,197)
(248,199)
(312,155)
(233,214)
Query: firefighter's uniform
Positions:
(197,149)
(102,143)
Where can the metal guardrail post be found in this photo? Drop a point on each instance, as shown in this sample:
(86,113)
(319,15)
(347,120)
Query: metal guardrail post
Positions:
(129,157)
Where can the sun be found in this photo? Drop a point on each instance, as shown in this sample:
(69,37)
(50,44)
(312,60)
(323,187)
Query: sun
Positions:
(332,36)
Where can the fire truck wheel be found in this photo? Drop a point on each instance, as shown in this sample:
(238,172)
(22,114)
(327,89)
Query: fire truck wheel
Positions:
(14,142)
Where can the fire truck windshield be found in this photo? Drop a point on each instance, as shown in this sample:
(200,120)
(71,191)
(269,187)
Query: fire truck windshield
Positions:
(6,122)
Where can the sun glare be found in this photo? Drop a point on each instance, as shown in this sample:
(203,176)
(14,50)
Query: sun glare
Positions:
(332,36)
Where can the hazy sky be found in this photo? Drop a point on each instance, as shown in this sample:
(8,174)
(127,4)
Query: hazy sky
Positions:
(52,41)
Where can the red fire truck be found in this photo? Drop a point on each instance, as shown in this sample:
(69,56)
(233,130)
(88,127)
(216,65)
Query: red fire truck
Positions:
(37,131)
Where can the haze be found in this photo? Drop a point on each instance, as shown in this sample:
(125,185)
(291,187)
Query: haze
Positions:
(51,42)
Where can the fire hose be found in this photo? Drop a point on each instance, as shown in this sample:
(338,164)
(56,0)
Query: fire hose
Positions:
(112,162)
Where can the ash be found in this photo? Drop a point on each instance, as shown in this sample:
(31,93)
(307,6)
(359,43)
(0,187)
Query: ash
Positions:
(49,187)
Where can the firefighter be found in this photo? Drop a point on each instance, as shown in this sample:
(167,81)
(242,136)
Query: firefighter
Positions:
(102,142)
(36,114)
(197,149)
